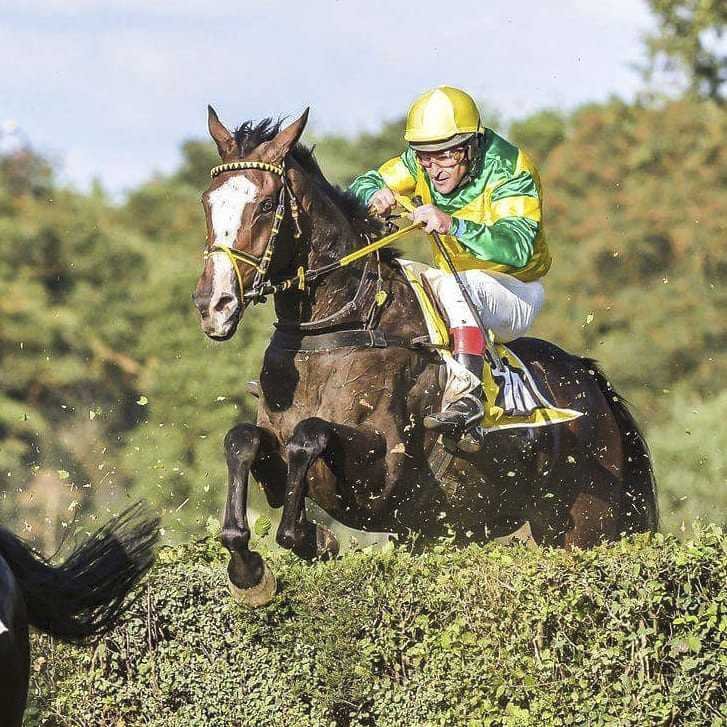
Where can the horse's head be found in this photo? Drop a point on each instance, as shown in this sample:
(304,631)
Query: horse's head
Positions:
(244,207)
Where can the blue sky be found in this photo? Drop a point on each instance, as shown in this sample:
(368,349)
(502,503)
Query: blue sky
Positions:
(111,87)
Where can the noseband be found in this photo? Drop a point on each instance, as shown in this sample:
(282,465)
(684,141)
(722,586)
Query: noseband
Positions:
(260,285)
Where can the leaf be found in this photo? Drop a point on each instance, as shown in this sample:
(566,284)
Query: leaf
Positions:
(262,526)
(63,475)
(694,643)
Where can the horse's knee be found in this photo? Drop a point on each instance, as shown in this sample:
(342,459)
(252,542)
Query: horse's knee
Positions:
(242,443)
(301,453)
(310,437)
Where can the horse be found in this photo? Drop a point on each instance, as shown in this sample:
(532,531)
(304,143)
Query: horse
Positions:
(346,383)
(81,598)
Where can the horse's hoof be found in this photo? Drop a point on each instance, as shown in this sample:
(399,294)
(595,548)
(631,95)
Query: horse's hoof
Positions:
(258,595)
(326,542)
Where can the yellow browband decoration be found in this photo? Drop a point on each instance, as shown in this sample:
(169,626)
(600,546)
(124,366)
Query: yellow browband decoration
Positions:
(237,166)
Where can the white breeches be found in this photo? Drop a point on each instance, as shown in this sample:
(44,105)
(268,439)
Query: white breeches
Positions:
(508,306)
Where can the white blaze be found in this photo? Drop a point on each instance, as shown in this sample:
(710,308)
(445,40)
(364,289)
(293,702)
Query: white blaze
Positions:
(226,205)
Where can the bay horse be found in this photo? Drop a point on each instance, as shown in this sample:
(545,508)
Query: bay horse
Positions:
(345,385)
(83,597)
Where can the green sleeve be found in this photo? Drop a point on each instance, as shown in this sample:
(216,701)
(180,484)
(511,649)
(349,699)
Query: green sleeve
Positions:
(509,241)
(364,186)
(398,174)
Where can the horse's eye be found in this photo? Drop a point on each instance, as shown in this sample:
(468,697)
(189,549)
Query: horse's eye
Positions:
(267,205)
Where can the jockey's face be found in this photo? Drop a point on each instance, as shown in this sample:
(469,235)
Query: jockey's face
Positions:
(446,168)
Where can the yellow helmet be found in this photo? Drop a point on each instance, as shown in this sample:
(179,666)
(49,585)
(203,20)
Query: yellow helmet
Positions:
(440,118)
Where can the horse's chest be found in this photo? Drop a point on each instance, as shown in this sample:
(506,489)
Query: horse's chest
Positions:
(347,386)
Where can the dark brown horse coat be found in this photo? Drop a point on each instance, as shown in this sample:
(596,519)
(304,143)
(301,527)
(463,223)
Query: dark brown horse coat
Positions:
(344,426)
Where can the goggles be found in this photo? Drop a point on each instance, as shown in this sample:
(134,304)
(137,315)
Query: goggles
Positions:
(446,158)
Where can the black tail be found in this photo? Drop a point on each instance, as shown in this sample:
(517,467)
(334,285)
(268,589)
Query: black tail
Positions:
(641,513)
(86,594)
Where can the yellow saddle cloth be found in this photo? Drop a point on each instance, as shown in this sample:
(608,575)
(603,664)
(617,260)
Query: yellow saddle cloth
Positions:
(512,397)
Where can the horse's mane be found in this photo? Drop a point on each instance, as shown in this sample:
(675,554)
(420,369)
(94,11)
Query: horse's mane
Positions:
(249,135)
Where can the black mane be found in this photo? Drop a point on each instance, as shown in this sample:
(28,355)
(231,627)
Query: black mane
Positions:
(250,135)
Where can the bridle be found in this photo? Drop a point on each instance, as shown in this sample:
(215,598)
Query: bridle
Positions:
(261,286)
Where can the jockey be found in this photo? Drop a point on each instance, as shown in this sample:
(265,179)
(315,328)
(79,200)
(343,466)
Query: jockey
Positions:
(482,195)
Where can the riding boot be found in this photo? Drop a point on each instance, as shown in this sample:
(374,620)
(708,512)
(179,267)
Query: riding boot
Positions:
(468,350)
(468,410)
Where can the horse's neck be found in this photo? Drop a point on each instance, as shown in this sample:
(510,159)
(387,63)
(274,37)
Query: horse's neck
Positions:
(330,237)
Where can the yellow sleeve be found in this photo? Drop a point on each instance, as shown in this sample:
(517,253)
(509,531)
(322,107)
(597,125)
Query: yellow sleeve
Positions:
(397,177)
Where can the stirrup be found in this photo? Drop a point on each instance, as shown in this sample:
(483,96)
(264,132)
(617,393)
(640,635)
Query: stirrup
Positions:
(471,441)
(454,422)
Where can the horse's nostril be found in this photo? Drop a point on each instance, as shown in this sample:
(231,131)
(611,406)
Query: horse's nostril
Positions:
(222,302)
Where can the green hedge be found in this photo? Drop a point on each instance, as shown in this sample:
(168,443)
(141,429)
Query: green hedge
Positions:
(630,634)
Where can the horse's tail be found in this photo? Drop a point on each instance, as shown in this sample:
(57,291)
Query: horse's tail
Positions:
(85,595)
(641,513)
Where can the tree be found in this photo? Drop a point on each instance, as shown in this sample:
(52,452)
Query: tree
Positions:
(691,41)
(539,133)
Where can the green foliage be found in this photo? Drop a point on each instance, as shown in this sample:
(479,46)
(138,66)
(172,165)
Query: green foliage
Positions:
(629,634)
(539,133)
(68,272)
(634,212)
(691,460)
(691,40)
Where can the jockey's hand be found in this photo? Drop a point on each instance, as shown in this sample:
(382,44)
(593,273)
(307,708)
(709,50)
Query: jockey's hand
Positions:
(433,217)
(382,202)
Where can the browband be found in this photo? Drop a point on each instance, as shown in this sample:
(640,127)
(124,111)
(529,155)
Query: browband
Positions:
(236,166)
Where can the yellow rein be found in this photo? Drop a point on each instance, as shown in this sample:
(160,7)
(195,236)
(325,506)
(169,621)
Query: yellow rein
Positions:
(236,256)
(383,242)
(233,256)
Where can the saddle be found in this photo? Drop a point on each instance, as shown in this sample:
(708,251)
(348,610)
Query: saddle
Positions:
(512,396)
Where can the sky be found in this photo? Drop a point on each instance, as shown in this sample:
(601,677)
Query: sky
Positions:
(110,88)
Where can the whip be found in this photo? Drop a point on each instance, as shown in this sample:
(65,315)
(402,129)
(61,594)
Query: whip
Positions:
(486,332)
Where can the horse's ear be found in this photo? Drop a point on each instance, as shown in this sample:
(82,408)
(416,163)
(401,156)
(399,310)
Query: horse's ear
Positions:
(286,139)
(226,144)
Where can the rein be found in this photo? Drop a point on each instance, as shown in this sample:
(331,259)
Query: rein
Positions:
(261,286)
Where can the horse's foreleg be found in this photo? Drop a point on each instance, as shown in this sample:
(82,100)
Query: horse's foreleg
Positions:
(250,579)
(310,440)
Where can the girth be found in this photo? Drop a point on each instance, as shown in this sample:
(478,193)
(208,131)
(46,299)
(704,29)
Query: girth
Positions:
(295,342)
